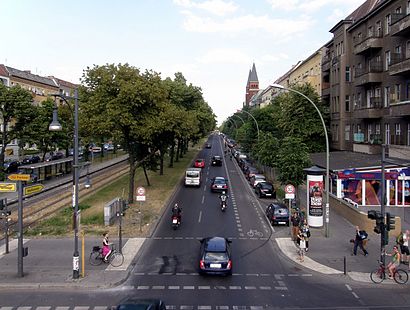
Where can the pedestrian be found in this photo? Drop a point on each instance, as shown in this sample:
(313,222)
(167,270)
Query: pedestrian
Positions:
(302,246)
(295,226)
(404,247)
(306,233)
(360,236)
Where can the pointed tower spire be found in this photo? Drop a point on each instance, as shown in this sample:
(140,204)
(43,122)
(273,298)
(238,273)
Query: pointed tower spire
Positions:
(249,77)
(253,77)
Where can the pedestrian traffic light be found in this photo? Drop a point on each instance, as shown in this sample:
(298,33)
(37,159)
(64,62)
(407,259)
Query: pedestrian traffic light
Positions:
(390,221)
(377,216)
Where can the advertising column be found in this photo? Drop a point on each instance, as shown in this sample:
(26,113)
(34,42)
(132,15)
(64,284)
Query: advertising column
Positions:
(314,196)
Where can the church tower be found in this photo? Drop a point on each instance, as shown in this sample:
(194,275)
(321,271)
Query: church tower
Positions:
(252,86)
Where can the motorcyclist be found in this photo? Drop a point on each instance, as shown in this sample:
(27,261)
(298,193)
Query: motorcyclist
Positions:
(177,211)
(223,198)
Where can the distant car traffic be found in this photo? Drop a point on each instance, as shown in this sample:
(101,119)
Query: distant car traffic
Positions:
(216,160)
(55,156)
(257,178)
(265,189)
(277,213)
(199,163)
(219,184)
(11,166)
(31,159)
(215,256)
(133,303)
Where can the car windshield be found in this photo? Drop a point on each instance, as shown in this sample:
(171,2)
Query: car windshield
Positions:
(216,256)
(259,177)
(192,174)
(217,157)
(281,211)
(199,160)
(219,181)
(266,186)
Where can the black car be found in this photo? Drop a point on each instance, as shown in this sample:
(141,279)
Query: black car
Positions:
(141,304)
(219,184)
(265,189)
(215,256)
(277,213)
(216,160)
(31,159)
(208,145)
(11,166)
(55,156)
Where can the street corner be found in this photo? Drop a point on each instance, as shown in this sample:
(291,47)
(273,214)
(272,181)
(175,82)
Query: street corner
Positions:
(288,248)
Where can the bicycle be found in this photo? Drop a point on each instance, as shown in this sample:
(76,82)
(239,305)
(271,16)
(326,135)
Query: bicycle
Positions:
(377,276)
(253,232)
(115,258)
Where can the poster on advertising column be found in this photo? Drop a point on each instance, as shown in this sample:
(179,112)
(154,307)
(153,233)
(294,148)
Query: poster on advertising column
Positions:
(315,200)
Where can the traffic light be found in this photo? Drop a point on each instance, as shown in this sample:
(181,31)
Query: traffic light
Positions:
(377,216)
(390,221)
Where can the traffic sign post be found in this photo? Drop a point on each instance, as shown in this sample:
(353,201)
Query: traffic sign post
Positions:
(290,194)
(140,193)
(19,177)
(28,190)
(8,187)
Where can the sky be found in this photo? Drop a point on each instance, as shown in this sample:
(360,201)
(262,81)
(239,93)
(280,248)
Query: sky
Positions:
(212,42)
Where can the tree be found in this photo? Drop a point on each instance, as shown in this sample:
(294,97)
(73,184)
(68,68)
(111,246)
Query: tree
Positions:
(16,112)
(293,157)
(268,149)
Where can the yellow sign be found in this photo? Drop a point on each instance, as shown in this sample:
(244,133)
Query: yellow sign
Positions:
(28,190)
(19,177)
(8,187)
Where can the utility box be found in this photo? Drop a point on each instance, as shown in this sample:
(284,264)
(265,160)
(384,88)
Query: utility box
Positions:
(110,211)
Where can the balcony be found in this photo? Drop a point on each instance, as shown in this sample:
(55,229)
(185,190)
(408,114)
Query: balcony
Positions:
(372,110)
(373,41)
(369,75)
(399,65)
(400,25)
(326,63)
(325,89)
(372,146)
(400,109)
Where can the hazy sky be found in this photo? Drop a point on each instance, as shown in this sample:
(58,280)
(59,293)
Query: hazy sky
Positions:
(212,42)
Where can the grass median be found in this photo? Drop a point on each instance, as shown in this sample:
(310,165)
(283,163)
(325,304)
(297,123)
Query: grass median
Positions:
(138,219)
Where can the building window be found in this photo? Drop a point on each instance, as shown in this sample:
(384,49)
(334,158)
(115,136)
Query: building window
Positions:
(336,136)
(387,24)
(347,103)
(408,7)
(386,101)
(377,129)
(397,91)
(397,129)
(348,74)
(347,132)
(379,28)
(398,10)
(369,131)
(387,57)
(387,134)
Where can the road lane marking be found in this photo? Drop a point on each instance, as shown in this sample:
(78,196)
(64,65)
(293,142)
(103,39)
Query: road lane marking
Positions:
(200,215)
(203,199)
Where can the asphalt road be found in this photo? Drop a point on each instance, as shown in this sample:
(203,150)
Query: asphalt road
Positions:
(262,277)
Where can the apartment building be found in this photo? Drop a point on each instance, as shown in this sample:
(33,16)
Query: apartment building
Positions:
(366,79)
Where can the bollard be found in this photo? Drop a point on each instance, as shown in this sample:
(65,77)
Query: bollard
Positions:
(344,265)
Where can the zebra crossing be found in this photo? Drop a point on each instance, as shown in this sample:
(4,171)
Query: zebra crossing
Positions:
(168,307)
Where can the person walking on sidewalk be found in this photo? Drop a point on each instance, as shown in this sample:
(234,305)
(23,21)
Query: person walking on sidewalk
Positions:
(403,241)
(302,246)
(295,226)
(306,233)
(360,236)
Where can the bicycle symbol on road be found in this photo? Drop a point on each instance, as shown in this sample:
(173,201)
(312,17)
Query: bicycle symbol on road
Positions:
(254,233)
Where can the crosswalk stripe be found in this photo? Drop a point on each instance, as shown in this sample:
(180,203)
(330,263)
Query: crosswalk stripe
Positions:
(188,287)
(43,308)
(62,308)
(24,308)
(6,308)
(81,308)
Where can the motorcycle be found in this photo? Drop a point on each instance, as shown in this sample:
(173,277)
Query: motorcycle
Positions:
(175,222)
(223,206)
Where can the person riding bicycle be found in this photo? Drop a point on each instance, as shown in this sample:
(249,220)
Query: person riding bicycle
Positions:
(395,261)
(106,249)
(177,211)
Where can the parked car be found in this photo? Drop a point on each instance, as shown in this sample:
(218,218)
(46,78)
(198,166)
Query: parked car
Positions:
(265,189)
(55,156)
(133,303)
(215,256)
(31,159)
(277,213)
(108,147)
(11,166)
(250,172)
(199,163)
(219,184)
(216,160)
(257,178)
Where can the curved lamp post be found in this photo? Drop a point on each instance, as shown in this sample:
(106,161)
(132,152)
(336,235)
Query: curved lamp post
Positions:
(239,118)
(327,152)
(56,126)
(257,127)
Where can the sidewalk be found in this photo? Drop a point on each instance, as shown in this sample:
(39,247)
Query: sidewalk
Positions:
(49,260)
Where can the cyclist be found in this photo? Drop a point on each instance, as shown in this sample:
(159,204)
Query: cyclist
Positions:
(106,249)
(395,261)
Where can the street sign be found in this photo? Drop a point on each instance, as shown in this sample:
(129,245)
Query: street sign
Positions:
(28,190)
(140,193)
(8,187)
(19,177)
(289,191)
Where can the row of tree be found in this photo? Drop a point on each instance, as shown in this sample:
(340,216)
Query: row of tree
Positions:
(149,116)
(290,129)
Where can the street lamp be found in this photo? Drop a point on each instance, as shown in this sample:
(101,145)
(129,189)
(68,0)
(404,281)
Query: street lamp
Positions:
(257,127)
(55,126)
(240,118)
(327,152)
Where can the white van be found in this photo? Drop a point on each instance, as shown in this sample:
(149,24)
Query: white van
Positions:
(193,177)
